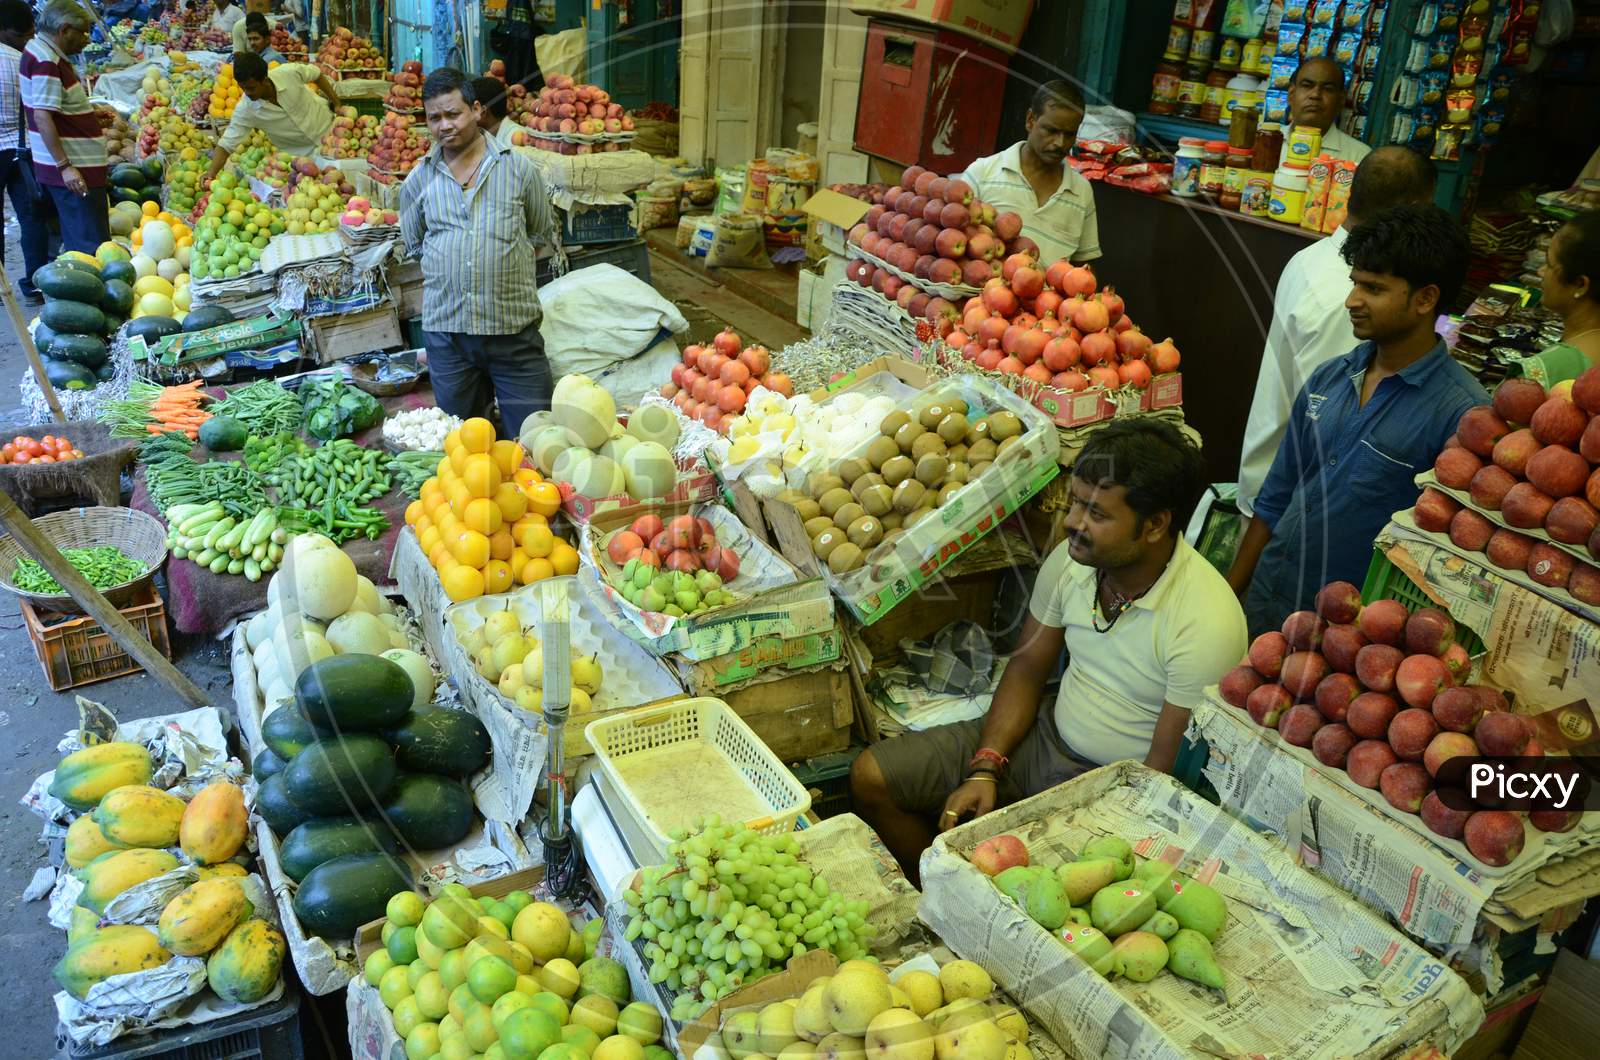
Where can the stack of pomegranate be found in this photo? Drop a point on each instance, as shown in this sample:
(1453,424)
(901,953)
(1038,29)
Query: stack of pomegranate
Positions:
(1052,326)
(1373,690)
(713,381)
(405,94)
(1540,476)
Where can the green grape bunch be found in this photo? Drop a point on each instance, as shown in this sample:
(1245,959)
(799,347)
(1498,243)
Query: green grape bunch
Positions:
(732,906)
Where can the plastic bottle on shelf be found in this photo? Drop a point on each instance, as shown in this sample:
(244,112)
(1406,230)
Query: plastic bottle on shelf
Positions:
(1288,194)
(1186,167)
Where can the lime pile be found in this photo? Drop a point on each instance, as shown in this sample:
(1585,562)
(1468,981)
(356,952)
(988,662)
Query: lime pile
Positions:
(232,233)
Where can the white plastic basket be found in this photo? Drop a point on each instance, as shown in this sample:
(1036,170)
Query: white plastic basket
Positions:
(624,744)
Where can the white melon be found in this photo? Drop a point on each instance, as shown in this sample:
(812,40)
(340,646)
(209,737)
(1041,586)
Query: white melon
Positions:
(649,471)
(654,423)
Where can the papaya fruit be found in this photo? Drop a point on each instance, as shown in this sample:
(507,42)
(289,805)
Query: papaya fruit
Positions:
(228,870)
(112,873)
(85,842)
(196,922)
(108,951)
(214,823)
(82,922)
(83,777)
(137,815)
(247,964)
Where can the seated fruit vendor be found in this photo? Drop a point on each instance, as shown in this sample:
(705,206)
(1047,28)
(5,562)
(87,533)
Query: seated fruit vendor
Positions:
(1365,424)
(1310,325)
(473,210)
(1316,96)
(1032,179)
(491,93)
(241,31)
(1569,284)
(1147,623)
(258,37)
(279,103)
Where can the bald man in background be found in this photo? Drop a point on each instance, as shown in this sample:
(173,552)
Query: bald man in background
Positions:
(1310,324)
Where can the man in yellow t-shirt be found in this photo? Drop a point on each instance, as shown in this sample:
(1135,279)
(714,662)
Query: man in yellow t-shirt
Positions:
(1148,625)
(281,104)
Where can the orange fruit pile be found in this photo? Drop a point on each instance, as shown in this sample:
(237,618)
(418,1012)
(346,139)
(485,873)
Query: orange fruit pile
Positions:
(484,520)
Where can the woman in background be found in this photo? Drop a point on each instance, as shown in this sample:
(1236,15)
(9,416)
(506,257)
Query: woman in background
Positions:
(1570,282)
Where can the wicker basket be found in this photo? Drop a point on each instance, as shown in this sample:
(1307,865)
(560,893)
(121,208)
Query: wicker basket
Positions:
(97,478)
(138,535)
(365,377)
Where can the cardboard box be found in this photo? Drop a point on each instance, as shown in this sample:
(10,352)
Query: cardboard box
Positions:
(799,716)
(1076,409)
(368,935)
(835,214)
(999,22)
(335,338)
(761,660)
(791,982)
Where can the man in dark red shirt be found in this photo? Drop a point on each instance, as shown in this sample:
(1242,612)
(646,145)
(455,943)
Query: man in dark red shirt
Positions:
(65,131)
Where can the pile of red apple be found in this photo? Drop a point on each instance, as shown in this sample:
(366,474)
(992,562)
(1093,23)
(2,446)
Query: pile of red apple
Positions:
(345,52)
(399,146)
(934,229)
(713,382)
(1052,326)
(286,44)
(563,106)
(352,135)
(683,543)
(872,193)
(405,93)
(1531,457)
(1373,690)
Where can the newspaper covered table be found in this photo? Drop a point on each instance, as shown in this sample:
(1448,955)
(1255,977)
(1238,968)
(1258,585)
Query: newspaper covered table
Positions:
(1310,971)
(493,848)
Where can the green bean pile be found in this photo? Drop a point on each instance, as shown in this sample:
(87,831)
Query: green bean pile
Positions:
(412,469)
(329,486)
(264,408)
(103,567)
(176,478)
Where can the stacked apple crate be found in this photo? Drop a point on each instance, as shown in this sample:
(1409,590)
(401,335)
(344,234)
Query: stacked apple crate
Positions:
(1338,730)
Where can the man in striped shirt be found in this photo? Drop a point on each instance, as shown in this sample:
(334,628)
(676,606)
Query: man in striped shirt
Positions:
(65,131)
(473,210)
(1032,179)
(16,26)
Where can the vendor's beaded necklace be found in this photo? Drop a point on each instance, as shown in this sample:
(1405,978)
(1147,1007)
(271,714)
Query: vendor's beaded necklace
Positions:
(1119,603)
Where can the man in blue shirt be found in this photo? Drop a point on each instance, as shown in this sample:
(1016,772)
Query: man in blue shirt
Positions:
(1365,424)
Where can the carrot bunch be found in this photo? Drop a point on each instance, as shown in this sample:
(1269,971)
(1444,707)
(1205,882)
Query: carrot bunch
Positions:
(177,408)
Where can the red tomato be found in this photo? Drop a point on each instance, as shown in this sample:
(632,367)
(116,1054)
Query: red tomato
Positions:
(31,447)
(45,459)
(48,439)
(8,451)
(63,445)
(76,454)
(22,458)
(19,439)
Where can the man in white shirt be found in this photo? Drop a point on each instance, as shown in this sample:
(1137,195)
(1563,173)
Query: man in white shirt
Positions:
(1316,96)
(1310,324)
(1032,179)
(280,104)
(1147,622)
(226,15)
(241,37)
(491,92)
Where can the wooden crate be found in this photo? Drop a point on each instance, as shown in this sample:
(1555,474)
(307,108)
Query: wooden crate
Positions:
(928,610)
(75,650)
(800,715)
(353,334)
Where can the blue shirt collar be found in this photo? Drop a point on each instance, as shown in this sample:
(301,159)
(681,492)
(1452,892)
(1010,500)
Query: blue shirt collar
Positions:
(1419,373)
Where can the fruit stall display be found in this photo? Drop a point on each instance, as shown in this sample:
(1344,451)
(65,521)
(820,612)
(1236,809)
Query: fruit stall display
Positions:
(716,379)
(464,975)
(506,650)
(400,145)
(127,831)
(571,118)
(343,54)
(232,230)
(1519,481)
(1380,697)
(483,520)
(172,135)
(582,445)
(353,135)
(225,95)
(405,91)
